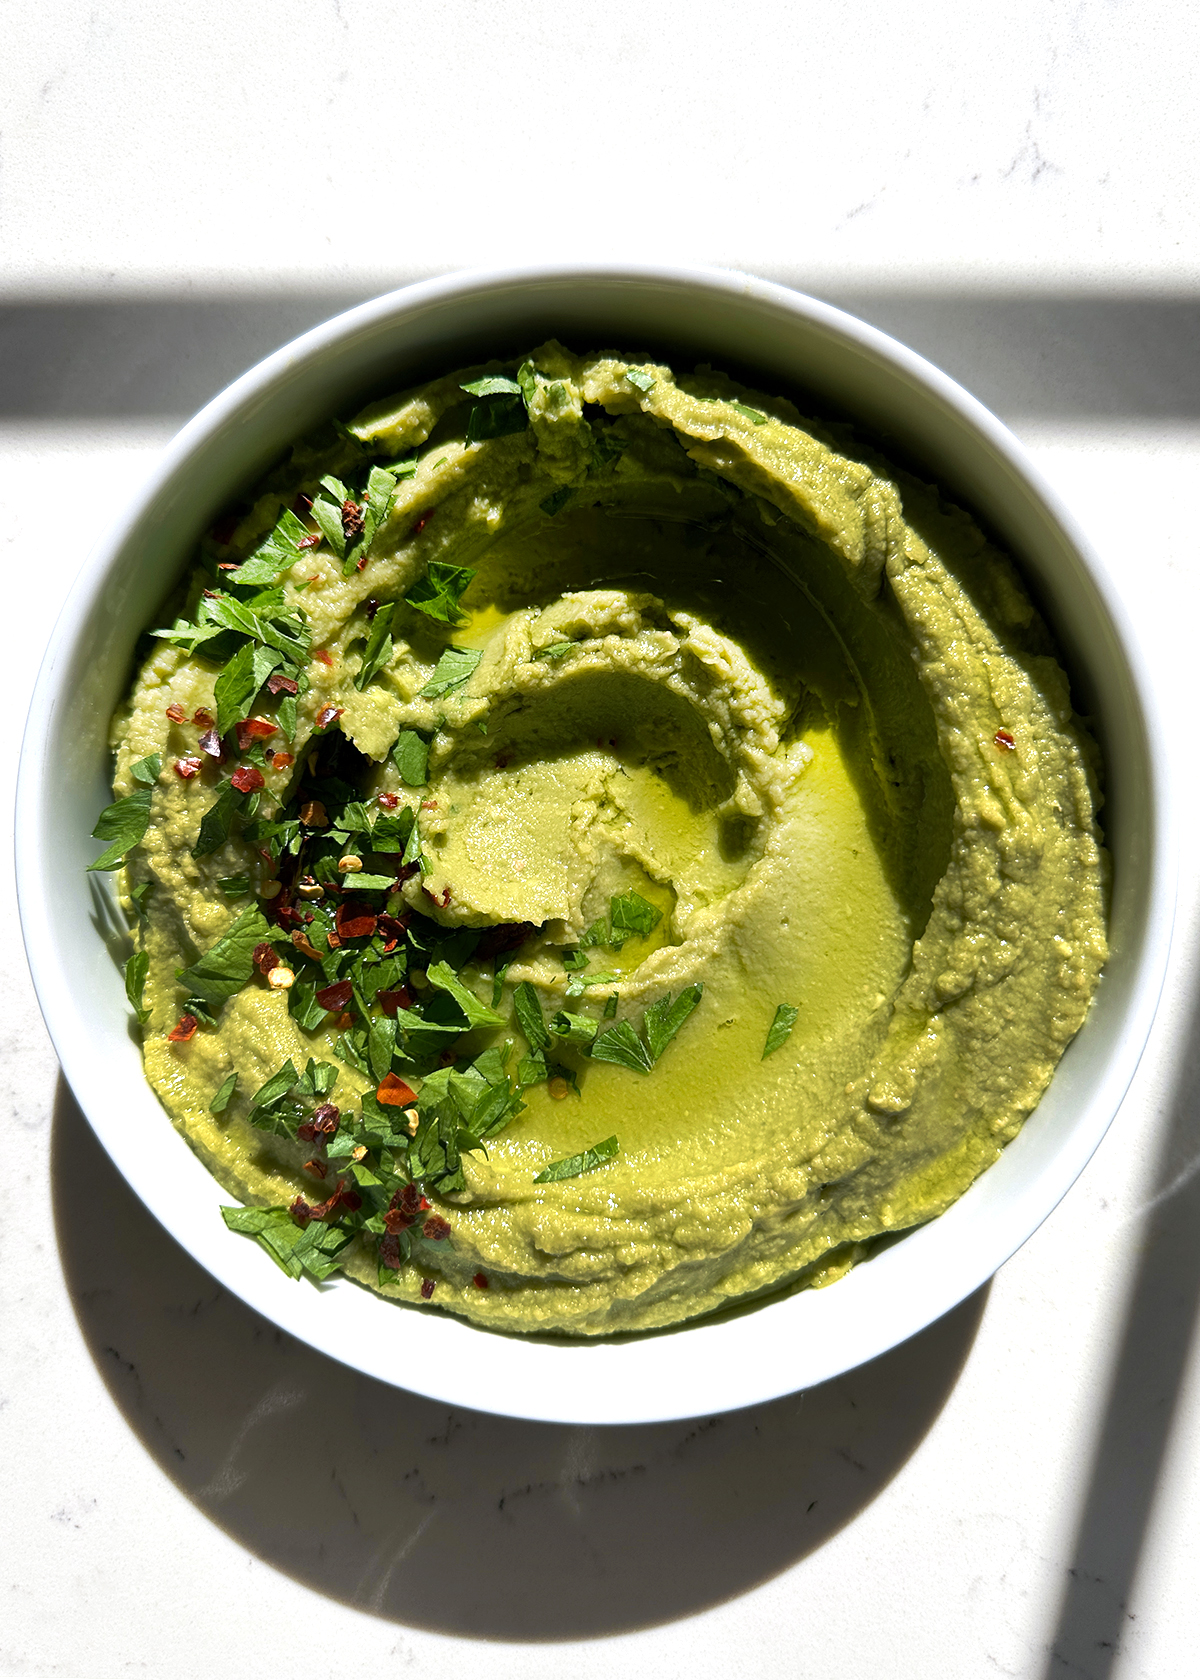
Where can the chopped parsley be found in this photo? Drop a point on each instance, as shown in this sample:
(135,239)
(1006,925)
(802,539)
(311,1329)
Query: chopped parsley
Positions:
(226,966)
(749,413)
(410,755)
(439,592)
(596,1156)
(780,1028)
(223,1093)
(136,970)
(452,670)
(641,380)
(632,916)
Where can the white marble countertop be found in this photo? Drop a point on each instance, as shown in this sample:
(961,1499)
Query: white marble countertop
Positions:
(188,1493)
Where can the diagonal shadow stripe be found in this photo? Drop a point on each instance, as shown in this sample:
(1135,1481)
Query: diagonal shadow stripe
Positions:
(1051,357)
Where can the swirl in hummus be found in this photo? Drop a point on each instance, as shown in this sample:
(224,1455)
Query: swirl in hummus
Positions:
(730,713)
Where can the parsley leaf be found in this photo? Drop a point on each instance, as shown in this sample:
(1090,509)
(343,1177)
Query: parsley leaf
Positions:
(477,1013)
(329,520)
(439,592)
(411,757)
(453,669)
(136,970)
(275,556)
(236,689)
(226,966)
(527,381)
(632,915)
(235,886)
(664,1018)
(493,385)
(272,1228)
(780,1029)
(529,1015)
(216,822)
(621,1044)
(223,1093)
(749,413)
(578,1030)
(145,772)
(378,651)
(643,381)
(596,1156)
(554,651)
(138,897)
(264,1105)
(124,823)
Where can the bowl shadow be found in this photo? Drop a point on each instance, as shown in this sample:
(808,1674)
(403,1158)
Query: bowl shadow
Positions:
(456,1521)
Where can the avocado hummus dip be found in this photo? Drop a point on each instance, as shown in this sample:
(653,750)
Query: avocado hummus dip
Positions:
(599,848)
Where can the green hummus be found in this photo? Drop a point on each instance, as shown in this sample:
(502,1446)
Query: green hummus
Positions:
(740,715)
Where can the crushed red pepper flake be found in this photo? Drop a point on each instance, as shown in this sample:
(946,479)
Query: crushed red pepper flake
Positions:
(352,520)
(334,998)
(210,743)
(246,779)
(436,1228)
(422,522)
(389,1251)
(301,1212)
(203,719)
(176,713)
(480,1281)
(394,1093)
(323,656)
(353,924)
(328,715)
(302,504)
(326,1118)
(283,760)
(186,768)
(277,683)
(184,1030)
(264,957)
(313,540)
(312,814)
(253,729)
(389,801)
(393,998)
(1004,740)
(427,1288)
(305,945)
(317,1168)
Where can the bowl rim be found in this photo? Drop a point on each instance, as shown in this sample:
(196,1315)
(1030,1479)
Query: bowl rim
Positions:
(624,1381)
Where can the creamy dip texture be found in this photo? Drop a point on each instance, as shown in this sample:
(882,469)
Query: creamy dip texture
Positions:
(522,749)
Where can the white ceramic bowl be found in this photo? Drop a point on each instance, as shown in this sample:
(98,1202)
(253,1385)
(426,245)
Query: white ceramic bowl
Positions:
(785,341)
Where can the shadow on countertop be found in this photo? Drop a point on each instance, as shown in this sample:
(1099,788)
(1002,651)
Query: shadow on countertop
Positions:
(457,1521)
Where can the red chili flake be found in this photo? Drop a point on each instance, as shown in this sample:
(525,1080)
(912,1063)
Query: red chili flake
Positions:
(203,719)
(176,713)
(394,1093)
(186,768)
(372,609)
(285,914)
(228,565)
(479,1281)
(326,1118)
(422,522)
(302,504)
(352,520)
(313,814)
(254,729)
(436,1228)
(328,715)
(395,1219)
(307,1132)
(210,743)
(389,801)
(1004,740)
(283,761)
(246,779)
(341,1197)
(353,925)
(277,684)
(427,1288)
(343,1022)
(333,939)
(362,565)
(423,1204)
(389,1252)
(335,997)
(441,899)
(407,1199)
(392,1000)
(301,1212)
(429,804)
(320,653)
(183,1030)
(392,928)
(313,540)
(317,1168)
(264,958)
